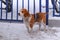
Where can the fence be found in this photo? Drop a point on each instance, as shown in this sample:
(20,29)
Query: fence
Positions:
(56,7)
(9,12)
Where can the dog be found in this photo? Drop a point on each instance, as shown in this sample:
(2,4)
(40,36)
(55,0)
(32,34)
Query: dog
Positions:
(30,20)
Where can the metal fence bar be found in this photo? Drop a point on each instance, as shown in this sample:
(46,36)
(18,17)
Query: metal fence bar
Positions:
(17,9)
(6,8)
(54,8)
(22,3)
(34,8)
(39,5)
(59,7)
(9,20)
(1,9)
(28,5)
(12,10)
(47,10)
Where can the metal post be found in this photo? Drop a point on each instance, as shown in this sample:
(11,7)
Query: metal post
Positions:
(6,8)
(34,9)
(1,9)
(28,5)
(17,9)
(59,7)
(47,10)
(53,8)
(22,3)
(12,10)
(39,5)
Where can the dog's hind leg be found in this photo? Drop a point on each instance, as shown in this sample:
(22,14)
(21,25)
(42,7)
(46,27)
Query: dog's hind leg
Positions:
(45,27)
(44,23)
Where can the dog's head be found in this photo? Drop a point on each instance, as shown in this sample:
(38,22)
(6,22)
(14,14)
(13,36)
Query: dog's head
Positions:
(24,13)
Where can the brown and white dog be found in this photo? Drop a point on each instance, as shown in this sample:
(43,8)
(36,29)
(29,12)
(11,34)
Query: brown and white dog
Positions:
(29,19)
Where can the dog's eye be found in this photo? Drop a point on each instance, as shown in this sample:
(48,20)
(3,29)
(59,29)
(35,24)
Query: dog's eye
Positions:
(22,11)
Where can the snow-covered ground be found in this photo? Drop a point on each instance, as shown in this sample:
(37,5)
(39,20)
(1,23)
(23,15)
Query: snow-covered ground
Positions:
(18,31)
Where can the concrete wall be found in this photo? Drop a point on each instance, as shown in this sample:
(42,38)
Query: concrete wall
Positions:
(54,23)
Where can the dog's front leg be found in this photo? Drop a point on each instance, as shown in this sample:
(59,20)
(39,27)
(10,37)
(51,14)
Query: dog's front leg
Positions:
(31,27)
(27,26)
(39,26)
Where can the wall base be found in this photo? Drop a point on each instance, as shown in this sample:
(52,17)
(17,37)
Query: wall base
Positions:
(54,23)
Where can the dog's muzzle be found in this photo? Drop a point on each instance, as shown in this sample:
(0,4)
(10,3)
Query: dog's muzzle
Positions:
(19,14)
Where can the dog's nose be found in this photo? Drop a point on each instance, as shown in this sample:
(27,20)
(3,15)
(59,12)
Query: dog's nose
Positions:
(19,14)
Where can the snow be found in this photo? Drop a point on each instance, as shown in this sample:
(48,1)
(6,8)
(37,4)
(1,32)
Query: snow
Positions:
(18,31)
